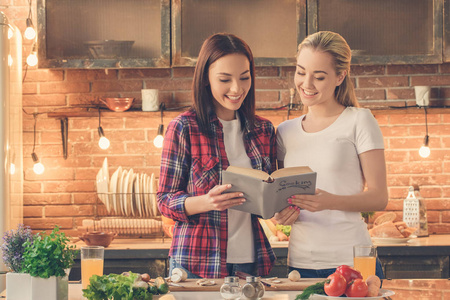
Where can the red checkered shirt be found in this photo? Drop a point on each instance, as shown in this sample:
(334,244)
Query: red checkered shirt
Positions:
(191,165)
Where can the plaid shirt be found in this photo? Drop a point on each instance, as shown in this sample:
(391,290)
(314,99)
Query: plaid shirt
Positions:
(191,165)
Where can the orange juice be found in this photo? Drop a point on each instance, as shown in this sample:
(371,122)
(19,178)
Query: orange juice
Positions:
(365,264)
(89,267)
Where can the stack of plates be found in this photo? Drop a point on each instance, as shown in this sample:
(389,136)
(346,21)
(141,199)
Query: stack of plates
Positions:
(127,193)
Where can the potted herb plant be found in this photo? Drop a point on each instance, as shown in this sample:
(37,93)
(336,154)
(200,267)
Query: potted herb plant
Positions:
(18,284)
(45,258)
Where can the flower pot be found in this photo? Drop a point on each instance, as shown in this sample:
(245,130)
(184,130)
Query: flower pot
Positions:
(18,286)
(53,288)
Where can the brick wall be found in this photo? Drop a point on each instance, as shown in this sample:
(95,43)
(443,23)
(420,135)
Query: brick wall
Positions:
(65,193)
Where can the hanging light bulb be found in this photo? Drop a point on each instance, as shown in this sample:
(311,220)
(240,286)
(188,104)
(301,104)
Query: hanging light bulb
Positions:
(38,167)
(32,59)
(103,142)
(30,33)
(159,139)
(424,151)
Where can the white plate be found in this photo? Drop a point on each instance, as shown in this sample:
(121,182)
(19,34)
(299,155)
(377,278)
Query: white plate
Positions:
(383,293)
(153,195)
(148,202)
(141,190)
(102,189)
(122,186)
(113,188)
(105,183)
(127,188)
(384,241)
(137,194)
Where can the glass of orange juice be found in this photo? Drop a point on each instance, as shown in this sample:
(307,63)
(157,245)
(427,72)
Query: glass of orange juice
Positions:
(91,263)
(364,259)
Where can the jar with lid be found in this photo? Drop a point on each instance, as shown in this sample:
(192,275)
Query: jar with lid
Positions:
(253,289)
(230,289)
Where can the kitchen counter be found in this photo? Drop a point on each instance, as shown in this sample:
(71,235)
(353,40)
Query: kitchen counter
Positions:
(429,254)
(435,289)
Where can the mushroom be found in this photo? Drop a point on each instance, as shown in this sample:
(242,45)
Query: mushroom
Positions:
(178,272)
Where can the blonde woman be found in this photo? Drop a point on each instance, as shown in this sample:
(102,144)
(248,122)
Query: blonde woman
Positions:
(344,145)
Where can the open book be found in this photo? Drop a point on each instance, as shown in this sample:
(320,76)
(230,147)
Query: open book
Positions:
(268,194)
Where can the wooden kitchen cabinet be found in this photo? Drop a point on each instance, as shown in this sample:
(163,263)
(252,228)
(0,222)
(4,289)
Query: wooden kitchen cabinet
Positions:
(384,31)
(272,28)
(103,33)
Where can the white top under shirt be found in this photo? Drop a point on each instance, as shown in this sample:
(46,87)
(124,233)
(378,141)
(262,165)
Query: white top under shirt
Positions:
(240,247)
(325,239)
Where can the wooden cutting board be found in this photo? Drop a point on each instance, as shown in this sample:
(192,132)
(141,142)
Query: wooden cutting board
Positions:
(285,285)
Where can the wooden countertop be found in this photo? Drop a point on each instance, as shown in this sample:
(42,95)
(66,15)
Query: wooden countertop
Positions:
(148,244)
(436,289)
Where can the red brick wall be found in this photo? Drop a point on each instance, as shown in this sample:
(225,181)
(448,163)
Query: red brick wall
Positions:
(65,193)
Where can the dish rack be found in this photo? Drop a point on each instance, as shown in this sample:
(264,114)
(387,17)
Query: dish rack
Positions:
(133,222)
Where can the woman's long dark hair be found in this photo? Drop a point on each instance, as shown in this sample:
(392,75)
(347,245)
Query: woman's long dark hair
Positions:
(213,48)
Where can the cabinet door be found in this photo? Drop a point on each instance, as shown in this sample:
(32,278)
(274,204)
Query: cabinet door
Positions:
(272,28)
(103,33)
(383,31)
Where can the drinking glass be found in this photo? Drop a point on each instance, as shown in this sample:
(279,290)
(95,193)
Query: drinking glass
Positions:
(364,259)
(91,263)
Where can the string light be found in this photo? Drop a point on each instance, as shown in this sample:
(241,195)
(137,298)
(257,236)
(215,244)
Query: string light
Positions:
(30,32)
(38,167)
(103,142)
(424,151)
(32,59)
(159,139)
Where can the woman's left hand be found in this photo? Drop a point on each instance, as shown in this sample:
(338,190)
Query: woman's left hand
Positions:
(320,201)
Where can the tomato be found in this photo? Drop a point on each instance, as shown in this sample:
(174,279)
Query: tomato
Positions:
(335,285)
(357,288)
(349,273)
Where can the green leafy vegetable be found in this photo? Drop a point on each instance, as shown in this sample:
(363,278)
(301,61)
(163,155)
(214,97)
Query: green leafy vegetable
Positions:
(316,288)
(48,255)
(286,229)
(117,287)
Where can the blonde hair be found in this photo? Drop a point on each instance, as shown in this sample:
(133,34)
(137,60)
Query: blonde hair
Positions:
(334,44)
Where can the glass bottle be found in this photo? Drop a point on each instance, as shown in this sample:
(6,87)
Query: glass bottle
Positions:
(253,289)
(231,289)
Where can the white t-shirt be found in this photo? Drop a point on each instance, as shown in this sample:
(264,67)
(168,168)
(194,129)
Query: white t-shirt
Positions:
(325,239)
(240,247)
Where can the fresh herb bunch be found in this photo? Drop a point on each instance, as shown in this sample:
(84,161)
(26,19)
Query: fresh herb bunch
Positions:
(48,255)
(115,286)
(13,248)
(317,288)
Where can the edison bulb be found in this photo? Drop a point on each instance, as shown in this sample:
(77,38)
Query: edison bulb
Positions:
(424,151)
(30,33)
(158,141)
(38,168)
(103,143)
(32,59)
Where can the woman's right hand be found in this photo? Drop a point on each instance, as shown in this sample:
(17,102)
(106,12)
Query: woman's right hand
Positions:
(287,216)
(217,199)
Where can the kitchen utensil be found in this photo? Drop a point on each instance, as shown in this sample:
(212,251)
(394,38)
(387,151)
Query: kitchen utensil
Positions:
(118,104)
(98,238)
(415,211)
